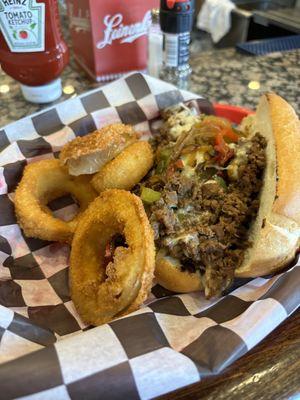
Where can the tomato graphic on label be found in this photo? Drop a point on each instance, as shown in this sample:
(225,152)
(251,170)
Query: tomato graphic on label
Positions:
(23,34)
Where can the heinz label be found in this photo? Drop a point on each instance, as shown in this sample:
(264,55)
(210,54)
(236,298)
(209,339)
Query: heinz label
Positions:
(110,38)
(22,24)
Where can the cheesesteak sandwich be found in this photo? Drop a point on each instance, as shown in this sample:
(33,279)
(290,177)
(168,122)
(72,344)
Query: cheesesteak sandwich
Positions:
(222,201)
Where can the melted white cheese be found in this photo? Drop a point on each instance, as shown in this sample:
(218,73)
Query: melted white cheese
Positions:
(239,159)
(181,122)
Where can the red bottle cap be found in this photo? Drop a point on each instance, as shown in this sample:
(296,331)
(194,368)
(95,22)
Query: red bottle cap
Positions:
(171,3)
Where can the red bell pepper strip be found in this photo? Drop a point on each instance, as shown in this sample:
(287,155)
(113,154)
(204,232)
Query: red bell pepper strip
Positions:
(222,148)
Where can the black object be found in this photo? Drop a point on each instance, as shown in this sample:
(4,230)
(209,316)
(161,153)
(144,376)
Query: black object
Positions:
(261,47)
(285,18)
(176,16)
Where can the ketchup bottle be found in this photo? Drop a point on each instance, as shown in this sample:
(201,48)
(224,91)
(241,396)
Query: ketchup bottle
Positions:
(32,49)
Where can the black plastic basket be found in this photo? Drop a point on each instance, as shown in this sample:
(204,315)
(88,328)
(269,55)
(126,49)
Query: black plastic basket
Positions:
(261,47)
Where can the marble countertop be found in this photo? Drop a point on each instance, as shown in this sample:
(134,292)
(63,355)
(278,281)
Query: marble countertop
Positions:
(224,76)
(230,77)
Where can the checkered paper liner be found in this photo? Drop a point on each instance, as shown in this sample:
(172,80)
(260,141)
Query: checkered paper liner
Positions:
(46,351)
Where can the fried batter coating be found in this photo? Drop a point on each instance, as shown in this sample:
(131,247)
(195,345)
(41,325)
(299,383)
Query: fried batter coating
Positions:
(102,291)
(87,154)
(42,182)
(126,170)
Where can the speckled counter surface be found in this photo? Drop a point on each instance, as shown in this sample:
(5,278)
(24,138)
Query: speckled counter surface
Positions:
(220,75)
(224,75)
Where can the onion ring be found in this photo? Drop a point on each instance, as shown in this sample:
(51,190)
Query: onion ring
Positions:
(87,154)
(102,292)
(42,182)
(125,170)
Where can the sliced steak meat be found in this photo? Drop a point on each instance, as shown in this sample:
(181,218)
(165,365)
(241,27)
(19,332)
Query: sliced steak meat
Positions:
(171,198)
(167,219)
(205,224)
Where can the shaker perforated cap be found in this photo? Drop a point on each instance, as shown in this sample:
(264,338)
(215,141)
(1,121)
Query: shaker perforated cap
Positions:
(44,93)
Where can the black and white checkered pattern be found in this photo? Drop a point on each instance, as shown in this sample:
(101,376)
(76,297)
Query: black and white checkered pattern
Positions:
(173,341)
